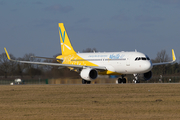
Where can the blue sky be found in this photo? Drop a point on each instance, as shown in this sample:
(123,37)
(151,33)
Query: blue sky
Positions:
(31,26)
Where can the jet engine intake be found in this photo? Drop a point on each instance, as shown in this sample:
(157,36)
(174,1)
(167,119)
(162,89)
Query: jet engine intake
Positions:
(145,76)
(88,74)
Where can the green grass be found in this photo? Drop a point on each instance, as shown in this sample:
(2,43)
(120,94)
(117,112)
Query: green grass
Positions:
(125,101)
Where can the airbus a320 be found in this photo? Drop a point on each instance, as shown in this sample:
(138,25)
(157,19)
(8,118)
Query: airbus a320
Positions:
(90,65)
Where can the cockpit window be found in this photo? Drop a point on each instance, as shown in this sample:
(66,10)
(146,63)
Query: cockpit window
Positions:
(148,58)
(141,58)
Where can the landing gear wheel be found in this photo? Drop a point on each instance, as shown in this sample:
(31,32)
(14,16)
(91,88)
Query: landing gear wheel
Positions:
(84,81)
(124,80)
(88,82)
(119,80)
(137,81)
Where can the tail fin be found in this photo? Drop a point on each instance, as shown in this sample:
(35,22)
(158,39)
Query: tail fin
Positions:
(7,54)
(66,47)
(173,55)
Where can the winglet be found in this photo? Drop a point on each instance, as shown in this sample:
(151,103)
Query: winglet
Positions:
(173,55)
(7,54)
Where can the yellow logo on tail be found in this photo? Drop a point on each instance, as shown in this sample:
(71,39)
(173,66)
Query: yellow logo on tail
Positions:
(66,47)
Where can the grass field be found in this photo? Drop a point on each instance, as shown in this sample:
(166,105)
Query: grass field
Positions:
(107,101)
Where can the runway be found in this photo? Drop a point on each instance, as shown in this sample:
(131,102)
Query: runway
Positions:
(94,101)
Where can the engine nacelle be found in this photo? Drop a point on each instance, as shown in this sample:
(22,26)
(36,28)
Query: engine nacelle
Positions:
(88,74)
(145,76)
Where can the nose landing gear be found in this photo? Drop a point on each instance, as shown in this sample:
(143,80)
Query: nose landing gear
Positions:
(136,78)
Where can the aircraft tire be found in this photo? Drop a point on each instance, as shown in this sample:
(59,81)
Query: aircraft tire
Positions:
(137,81)
(84,81)
(88,82)
(119,80)
(124,80)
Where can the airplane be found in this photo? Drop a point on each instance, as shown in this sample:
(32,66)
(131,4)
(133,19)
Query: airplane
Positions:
(90,65)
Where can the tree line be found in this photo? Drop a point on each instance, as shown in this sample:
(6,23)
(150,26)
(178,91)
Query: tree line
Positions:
(169,69)
(9,68)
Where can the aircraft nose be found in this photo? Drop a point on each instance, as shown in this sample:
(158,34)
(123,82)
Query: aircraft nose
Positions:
(147,66)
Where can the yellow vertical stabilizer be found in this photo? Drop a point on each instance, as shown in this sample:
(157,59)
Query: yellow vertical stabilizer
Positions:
(66,47)
(173,55)
(7,54)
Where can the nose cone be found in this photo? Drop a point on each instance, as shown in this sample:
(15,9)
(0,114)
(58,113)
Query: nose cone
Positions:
(147,66)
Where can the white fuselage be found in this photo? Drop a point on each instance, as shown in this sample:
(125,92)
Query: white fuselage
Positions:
(120,62)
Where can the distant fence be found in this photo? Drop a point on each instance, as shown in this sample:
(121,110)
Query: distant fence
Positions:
(26,81)
(55,81)
(170,79)
(166,79)
(155,79)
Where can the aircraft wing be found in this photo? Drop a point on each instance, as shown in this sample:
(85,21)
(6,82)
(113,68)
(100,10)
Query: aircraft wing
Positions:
(55,64)
(47,58)
(163,63)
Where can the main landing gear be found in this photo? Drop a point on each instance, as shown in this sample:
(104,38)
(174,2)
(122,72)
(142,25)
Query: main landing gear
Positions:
(121,80)
(85,82)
